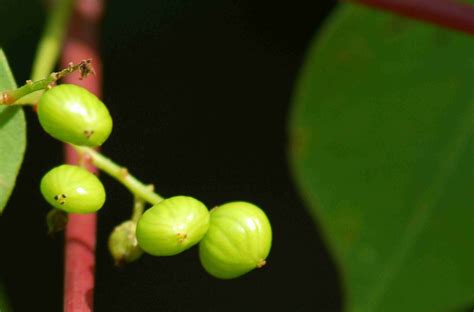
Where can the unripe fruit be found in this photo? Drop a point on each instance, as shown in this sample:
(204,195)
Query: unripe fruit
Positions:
(123,244)
(73,189)
(172,226)
(238,240)
(74,115)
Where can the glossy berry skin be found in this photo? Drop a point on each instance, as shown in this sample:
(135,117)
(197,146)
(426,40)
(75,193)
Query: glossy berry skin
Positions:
(74,115)
(73,189)
(238,240)
(172,226)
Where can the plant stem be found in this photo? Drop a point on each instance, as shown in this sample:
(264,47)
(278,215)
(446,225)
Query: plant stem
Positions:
(51,41)
(138,208)
(80,240)
(10,97)
(446,13)
(121,174)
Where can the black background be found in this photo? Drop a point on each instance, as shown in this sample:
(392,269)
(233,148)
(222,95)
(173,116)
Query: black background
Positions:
(200,93)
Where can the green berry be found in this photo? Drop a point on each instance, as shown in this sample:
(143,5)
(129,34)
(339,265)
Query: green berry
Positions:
(123,244)
(172,226)
(73,189)
(238,240)
(74,115)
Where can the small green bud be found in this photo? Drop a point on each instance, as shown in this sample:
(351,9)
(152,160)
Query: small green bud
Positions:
(238,240)
(74,115)
(73,189)
(123,244)
(172,226)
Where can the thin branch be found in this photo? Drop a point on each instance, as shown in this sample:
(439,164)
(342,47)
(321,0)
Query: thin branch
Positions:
(446,13)
(121,174)
(11,97)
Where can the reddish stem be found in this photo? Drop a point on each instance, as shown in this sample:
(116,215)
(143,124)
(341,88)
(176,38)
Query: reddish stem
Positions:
(80,239)
(446,13)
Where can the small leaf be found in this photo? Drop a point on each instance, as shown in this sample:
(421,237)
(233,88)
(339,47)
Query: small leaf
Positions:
(382,149)
(12,136)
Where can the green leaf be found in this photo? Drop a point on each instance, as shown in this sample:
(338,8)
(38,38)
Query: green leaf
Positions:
(382,150)
(12,136)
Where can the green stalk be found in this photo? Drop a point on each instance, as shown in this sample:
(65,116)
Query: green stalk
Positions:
(121,174)
(51,42)
(49,47)
(138,208)
(12,97)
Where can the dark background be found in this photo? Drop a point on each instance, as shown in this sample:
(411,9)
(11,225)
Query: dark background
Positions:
(200,93)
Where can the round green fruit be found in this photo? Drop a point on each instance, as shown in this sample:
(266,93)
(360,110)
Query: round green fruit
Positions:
(74,115)
(238,240)
(172,226)
(73,189)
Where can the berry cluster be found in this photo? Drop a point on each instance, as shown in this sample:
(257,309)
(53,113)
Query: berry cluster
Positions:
(233,238)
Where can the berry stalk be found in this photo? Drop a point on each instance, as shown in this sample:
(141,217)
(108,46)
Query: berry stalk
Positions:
(121,174)
(13,97)
(138,208)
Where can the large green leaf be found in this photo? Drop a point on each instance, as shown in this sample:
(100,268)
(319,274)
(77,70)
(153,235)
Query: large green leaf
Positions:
(12,136)
(382,150)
